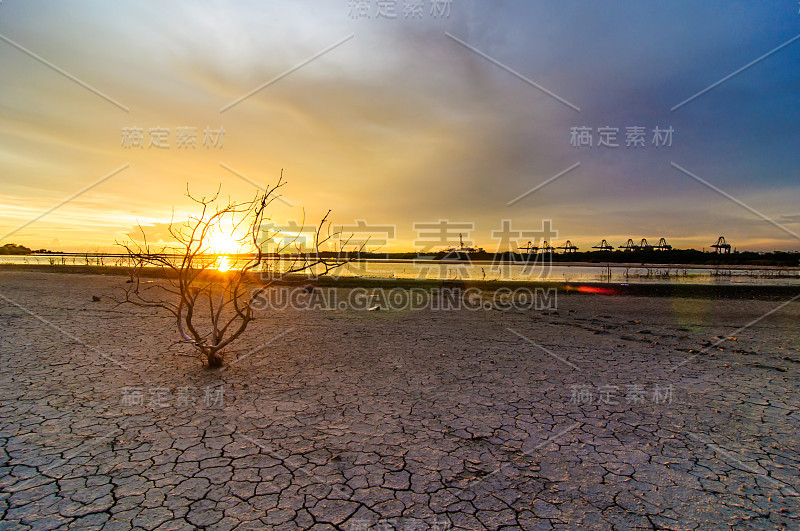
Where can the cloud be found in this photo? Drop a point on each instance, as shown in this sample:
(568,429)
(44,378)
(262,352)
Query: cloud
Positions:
(152,233)
(401,123)
(789,219)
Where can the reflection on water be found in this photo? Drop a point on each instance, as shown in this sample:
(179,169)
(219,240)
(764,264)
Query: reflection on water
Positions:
(223,264)
(487,270)
(572,273)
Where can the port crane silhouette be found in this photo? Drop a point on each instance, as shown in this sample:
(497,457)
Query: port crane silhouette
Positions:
(545,247)
(663,245)
(643,245)
(722,246)
(568,247)
(604,246)
(630,245)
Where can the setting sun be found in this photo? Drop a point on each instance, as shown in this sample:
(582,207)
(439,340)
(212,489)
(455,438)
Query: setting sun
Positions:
(221,243)
(224,244)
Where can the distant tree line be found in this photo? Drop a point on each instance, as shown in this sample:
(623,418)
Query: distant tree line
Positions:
(12,248)
(674,256)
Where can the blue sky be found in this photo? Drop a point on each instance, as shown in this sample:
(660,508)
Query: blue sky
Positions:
(401,123)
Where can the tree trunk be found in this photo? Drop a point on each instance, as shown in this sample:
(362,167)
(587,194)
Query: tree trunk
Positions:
(214,360)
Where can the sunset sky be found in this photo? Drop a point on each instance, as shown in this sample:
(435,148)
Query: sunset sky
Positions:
(449,113)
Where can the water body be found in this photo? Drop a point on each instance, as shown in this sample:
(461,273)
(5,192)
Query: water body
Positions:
(487,270)
(516,271)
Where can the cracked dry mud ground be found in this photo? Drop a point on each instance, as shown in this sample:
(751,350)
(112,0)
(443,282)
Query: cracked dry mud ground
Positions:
(412,420)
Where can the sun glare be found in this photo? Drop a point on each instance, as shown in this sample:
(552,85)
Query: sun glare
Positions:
(220,243)
(224,264)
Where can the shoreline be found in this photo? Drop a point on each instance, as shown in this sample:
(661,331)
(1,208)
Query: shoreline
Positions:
(579,263)
(611,289)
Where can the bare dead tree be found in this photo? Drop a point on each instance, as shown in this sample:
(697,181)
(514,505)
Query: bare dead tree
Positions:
(213,305)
